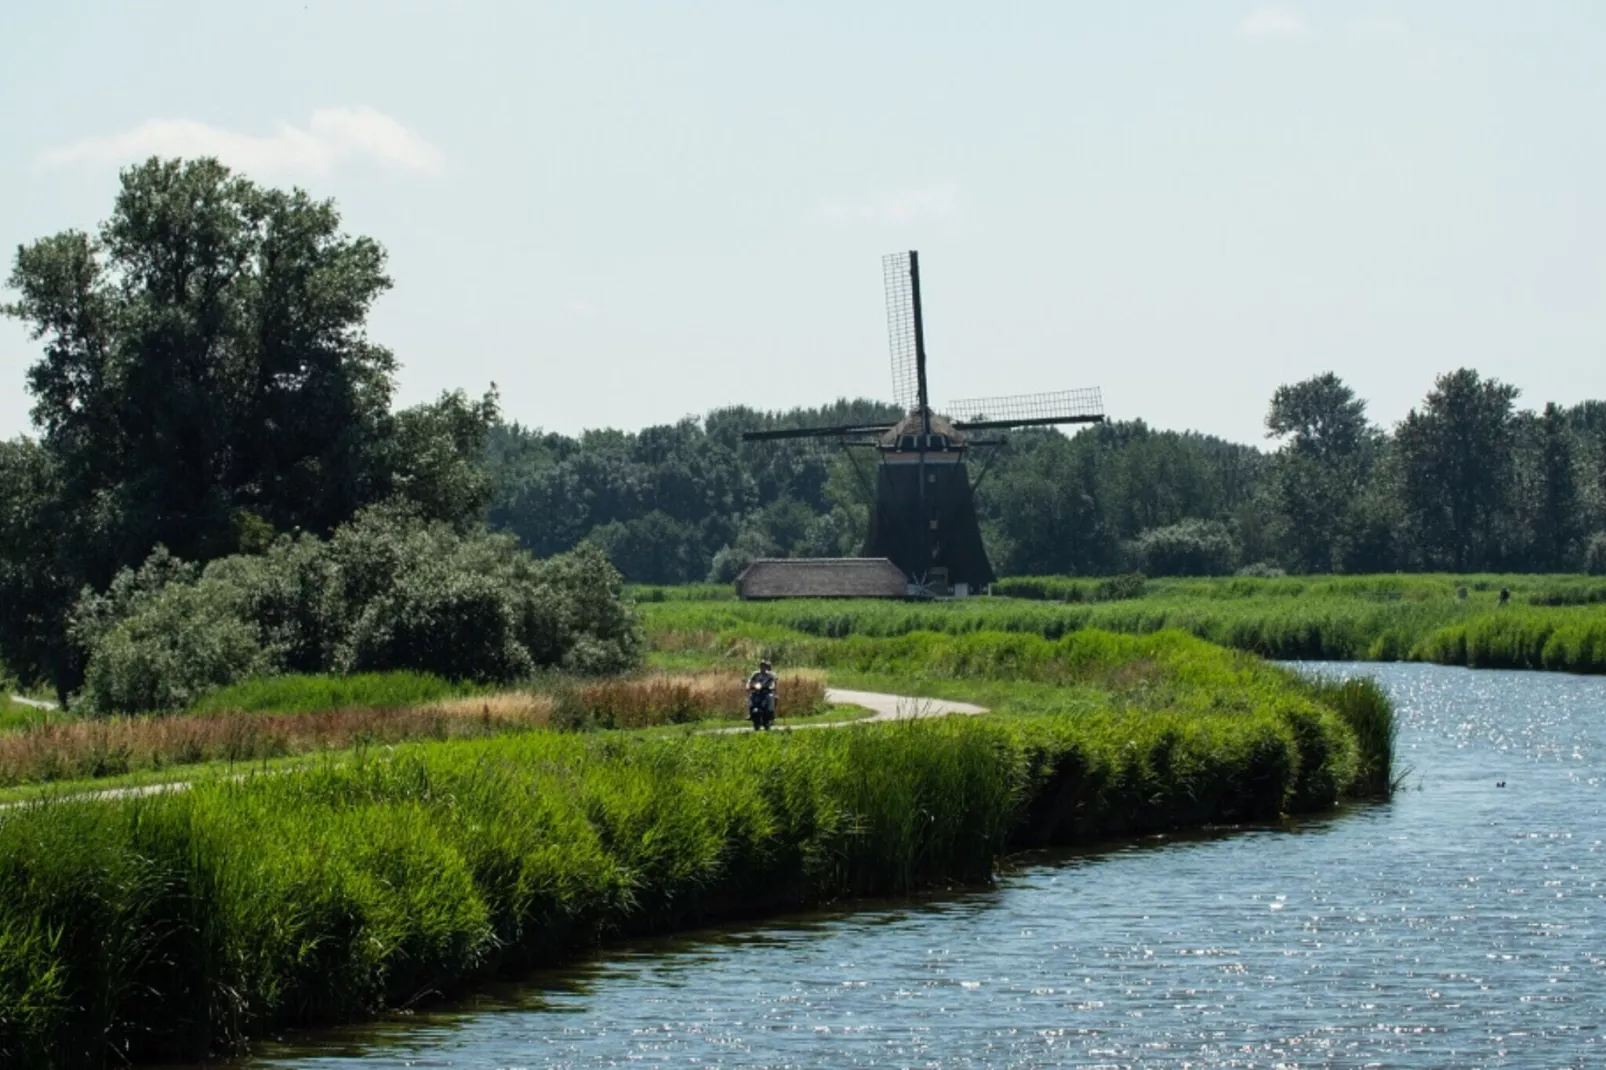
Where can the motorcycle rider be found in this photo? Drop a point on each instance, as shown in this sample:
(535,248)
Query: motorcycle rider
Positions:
(761,696)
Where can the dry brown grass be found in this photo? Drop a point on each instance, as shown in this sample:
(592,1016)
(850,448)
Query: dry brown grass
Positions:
(659,699)
(100,748)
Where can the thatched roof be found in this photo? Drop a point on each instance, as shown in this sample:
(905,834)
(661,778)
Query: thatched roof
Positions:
(822,577)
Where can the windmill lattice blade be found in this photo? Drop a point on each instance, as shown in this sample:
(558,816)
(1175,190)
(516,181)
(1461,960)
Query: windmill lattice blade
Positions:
(901,330)
(1060,406)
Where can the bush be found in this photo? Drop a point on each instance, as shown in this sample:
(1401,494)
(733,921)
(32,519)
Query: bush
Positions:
(1260,570)
(728,564)
(183,641)
(387,592)
(1191,548)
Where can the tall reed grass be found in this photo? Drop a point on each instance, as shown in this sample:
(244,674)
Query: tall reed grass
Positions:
(648,701)
(1382,618)
(173,926)
(308,693)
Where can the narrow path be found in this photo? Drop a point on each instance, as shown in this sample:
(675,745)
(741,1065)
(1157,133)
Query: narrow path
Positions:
(884,708)
(899,707)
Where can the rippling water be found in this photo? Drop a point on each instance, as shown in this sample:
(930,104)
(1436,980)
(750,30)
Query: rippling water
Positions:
(1463,924)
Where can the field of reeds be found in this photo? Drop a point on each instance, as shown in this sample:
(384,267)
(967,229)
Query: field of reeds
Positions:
(1550,622)
(172,926)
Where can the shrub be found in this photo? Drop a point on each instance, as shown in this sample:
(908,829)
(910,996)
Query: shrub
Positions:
(387,592)
(1190,548)
(1260,570)
(728,564)
(183,641)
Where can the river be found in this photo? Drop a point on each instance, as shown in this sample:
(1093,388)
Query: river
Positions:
(1461,925)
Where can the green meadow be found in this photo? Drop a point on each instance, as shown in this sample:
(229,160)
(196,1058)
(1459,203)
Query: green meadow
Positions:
(1549,622)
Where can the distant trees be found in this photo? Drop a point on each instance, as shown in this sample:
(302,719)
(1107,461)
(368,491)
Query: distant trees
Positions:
(1465,482)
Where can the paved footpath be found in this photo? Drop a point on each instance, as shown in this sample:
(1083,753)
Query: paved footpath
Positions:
(883,708)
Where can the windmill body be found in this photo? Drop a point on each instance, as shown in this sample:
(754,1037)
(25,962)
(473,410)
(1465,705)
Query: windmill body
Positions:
(923,517)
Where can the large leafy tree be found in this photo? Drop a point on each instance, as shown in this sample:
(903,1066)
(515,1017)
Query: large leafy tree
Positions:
(206,381)
(1325,457)
(1455,468)
(205,357)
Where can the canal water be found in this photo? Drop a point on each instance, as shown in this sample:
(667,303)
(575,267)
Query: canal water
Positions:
(1461,925)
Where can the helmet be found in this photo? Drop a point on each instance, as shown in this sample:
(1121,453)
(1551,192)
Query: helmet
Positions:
(764,665)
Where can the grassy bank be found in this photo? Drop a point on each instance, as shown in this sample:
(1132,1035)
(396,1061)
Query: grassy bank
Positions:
(170,926)
(1552,622)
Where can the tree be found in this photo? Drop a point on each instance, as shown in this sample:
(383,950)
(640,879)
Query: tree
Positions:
(1318,471)
(1456,458)
(1553,520)
(37,577)
(204,354)
(206,381)
(1319,418)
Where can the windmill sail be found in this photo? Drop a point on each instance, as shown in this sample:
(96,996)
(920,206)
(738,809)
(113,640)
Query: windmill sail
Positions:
(1028,410)
(901,273)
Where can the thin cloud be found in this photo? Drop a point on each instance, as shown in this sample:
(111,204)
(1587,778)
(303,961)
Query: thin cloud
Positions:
(1273,24)
(334,136)
(939,202)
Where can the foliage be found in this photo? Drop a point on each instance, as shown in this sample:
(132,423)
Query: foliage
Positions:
(1378,618)
(205,382)
(1457,456)
(1188,548)
(390,591)
(1068,589)
(1595,554)
(647,701)
(308,693)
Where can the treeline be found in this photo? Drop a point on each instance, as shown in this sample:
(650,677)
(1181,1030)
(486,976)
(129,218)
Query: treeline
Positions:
(207,394)
(1467,482)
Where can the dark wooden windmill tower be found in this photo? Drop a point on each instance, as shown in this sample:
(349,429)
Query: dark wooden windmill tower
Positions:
(924,514)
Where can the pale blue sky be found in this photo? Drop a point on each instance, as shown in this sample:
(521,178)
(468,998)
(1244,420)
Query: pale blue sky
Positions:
(627,212)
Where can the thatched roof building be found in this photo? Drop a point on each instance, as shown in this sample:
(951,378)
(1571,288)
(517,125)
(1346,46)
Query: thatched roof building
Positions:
(822,577)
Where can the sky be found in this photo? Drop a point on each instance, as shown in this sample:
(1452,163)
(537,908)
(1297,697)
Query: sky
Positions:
(626,213)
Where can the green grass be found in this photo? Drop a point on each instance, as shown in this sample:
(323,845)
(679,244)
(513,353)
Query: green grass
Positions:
(1552,622)
(17,716)
(180,924)
(298,693)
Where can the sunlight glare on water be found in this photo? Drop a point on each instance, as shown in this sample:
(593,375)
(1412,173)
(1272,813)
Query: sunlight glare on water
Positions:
(1462,924)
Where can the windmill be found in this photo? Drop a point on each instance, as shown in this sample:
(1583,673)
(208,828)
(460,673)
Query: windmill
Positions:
(923,517)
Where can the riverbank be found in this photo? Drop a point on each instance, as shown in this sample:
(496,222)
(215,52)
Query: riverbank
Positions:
(1554,623)
(1437,931)
(175,925)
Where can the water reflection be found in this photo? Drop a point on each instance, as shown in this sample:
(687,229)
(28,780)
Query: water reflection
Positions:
(1461,925)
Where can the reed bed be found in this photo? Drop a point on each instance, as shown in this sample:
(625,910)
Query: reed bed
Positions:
(92,749)
(1550,623)
(174,926)
(50,748)
(644,702)
(308,693)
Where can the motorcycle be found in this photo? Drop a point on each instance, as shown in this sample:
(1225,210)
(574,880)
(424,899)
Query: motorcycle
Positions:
(761,707)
